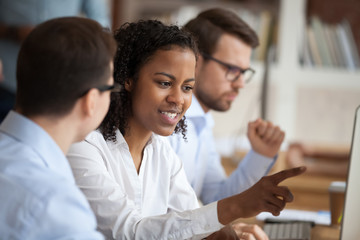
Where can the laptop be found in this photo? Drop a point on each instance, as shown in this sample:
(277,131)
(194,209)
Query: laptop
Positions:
(351,214)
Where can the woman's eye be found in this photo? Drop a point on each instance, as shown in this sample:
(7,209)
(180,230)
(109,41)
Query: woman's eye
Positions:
(188,88)
(165,84)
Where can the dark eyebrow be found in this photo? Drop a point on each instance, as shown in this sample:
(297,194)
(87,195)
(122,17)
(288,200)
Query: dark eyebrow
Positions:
(173,77)
(190,80)
(166,74)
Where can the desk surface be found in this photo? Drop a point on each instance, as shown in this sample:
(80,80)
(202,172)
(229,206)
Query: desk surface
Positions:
(325,233)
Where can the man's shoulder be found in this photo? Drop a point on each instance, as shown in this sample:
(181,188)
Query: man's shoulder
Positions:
(17,207)
(12,147)
(34,197)
(26,177)
(25,173)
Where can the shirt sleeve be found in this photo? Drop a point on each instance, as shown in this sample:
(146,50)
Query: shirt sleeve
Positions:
(119,218)
(217,185)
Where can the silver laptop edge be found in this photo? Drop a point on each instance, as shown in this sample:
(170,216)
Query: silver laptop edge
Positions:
(350,227)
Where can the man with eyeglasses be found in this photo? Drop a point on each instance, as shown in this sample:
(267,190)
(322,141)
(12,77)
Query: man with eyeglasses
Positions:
(64,77)
(225,44)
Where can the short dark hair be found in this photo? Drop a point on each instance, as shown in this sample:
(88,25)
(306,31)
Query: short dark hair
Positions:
(210,24)
(58,61)
(137,43)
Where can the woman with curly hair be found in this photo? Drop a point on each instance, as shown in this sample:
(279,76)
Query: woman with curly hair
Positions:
(126,169)
(133,180)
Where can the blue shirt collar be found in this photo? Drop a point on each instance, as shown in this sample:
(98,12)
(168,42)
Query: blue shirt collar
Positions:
(196,111)
(31,134)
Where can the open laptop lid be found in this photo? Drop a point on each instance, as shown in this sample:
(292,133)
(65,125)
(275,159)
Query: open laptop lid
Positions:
(350,228)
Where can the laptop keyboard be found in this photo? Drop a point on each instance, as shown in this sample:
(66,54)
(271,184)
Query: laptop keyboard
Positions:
(288,230)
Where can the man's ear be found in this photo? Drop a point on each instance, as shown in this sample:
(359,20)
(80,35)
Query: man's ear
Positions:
(199,65)
(89,102)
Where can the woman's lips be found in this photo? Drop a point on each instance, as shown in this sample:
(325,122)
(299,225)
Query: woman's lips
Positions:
(170,117)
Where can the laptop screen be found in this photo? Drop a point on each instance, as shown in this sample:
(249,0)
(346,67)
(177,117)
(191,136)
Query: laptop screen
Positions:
(351,216)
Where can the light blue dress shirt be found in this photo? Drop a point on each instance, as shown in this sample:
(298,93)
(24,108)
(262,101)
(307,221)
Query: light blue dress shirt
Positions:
(33,12)
(202,163)
(38,195)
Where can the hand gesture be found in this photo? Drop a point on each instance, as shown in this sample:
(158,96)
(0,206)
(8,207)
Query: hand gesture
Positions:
(239,231)
(249,231)
(264,196)
(264,137)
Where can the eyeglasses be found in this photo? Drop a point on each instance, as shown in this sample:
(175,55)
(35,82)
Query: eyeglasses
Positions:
(233,72)
(116,87)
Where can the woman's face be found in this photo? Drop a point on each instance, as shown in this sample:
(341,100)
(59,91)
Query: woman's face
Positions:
(163,91)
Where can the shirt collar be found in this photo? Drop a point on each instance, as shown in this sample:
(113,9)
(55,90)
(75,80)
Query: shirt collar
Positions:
(94,137)
(196,111)
(31,134)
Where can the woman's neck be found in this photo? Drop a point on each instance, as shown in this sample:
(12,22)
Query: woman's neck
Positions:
(137,140)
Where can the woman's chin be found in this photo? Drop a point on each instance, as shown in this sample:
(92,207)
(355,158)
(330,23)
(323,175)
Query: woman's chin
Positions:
(165,132)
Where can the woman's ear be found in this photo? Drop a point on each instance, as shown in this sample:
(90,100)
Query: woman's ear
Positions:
(128,84)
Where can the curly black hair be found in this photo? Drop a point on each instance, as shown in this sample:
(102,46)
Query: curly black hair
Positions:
(137,42)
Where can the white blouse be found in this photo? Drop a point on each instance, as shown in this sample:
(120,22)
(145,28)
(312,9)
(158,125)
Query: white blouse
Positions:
(157,203)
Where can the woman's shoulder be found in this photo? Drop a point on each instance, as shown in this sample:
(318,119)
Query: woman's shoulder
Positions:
(165,155)
(95,138)
(94,141)
(162,145)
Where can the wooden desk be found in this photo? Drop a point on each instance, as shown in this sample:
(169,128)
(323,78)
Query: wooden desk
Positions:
(325,233)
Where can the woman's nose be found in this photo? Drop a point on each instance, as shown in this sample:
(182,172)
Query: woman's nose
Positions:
(176,96)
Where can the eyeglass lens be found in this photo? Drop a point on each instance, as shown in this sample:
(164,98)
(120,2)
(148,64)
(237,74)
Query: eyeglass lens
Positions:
(233,74)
